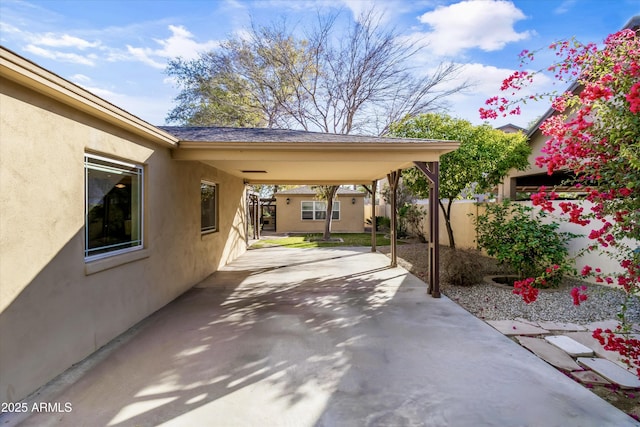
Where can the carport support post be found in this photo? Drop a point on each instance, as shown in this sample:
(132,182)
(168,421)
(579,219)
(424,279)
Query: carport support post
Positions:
(394,178)
(256,217)
(374,184)
(432,171)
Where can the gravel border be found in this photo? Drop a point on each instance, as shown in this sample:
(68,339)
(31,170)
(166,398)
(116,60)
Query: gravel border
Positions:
(489,302)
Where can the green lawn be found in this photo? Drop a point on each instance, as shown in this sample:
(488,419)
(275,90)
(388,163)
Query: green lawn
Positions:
(312,240)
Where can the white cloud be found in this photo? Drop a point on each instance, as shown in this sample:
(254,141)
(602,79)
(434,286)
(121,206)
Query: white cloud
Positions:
(487,25)
(151,109)
(358,7)
(143,55)
(564,7)
(181,43)
(62,56)
(486,81)
(6,28)
(64,40)
(80,79)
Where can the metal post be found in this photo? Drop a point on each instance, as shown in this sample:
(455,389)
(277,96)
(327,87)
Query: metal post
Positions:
(434,197)
(373,216)
(432,171)
(394,178)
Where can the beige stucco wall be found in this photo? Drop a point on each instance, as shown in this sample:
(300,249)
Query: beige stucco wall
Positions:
(289,216)
(53,313)
(465,235)
(506,190)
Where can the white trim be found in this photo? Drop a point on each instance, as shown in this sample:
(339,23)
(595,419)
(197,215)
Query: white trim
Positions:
(102,264)
(110,160)
(138,170)
(314,210)
(216,198)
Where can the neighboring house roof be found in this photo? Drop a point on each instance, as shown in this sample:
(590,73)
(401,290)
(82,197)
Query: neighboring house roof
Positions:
(511,128)
(305,190)
(575,86)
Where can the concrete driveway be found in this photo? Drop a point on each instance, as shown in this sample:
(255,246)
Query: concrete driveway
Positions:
(320,337)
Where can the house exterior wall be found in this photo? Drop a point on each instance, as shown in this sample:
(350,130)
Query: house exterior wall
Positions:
(56,309)
(289,216)
(507,189)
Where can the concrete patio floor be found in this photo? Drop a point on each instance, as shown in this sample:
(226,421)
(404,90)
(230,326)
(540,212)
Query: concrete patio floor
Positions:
(320,337)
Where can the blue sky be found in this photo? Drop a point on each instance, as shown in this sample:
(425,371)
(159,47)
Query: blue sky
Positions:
(119,49)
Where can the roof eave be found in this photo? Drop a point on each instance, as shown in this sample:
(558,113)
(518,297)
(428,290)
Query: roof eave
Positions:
(314,146)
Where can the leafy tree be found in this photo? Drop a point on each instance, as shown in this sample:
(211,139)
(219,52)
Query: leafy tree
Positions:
(244,83)
(594,133)
(357,80)
(328,194)
(409,215)
(480,163)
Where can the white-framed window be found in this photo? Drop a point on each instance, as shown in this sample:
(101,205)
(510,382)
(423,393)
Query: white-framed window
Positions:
(113,207)
(208,207)
(316,211)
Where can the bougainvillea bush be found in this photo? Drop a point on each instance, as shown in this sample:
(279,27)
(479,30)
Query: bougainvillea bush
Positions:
(594,133)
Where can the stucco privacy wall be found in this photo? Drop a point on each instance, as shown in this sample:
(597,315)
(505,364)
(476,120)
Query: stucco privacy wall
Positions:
(464,233)
(289,216)
(53,313)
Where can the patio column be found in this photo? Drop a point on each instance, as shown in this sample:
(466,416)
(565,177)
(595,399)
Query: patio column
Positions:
(432,171)
(252,209)
(394,179)
(374,184)
(256,217)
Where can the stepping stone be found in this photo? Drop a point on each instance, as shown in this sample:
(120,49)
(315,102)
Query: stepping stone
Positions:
(611,371)
(514,327)
(564,327)
(527,321)
(570,346)
(549,353)
(604,325)
(588,340)
(589,377)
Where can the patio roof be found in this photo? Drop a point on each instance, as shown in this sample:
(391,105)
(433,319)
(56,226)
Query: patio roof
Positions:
(282,156)
(307,190)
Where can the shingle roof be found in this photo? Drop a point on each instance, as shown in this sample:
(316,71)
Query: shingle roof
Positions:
(264,135)
(305,189)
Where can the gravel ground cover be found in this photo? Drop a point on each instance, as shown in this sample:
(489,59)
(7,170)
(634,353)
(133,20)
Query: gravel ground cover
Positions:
(490,302)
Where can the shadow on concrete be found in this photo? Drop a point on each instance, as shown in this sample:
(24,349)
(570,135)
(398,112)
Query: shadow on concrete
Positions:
(322,337)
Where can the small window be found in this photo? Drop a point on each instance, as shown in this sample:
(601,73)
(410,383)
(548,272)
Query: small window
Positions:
(318,211)
(208,207)
(113,207)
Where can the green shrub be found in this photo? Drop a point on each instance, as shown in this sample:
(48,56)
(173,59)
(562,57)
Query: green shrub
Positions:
(382,223)
(410,218)
(461,267)
(515,234)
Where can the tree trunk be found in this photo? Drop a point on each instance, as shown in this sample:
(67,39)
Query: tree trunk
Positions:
(331,193)
(447,220)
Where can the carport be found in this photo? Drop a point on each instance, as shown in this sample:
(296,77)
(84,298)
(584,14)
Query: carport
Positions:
(292,157)
(322,337)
